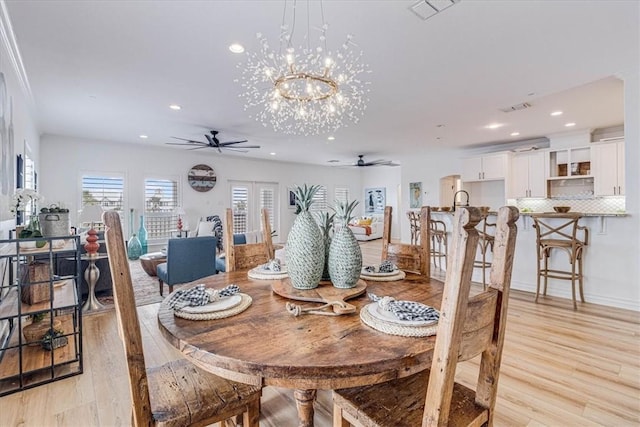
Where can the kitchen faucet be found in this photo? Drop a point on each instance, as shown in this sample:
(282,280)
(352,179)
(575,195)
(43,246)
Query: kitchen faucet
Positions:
(454,200)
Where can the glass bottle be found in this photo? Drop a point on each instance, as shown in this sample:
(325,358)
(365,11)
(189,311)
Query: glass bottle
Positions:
(142,235)
(134,248)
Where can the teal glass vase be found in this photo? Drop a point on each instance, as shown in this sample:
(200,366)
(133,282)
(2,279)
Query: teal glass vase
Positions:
(134,247)
(142,235)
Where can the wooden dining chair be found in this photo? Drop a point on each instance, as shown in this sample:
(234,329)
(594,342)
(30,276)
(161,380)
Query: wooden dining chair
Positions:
(468,326)
(181,393)
(248,255)
(414,258)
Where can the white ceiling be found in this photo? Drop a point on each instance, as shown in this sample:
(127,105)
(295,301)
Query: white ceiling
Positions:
(109,69)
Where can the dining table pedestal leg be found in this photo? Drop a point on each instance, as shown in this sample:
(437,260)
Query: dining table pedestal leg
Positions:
(304,402)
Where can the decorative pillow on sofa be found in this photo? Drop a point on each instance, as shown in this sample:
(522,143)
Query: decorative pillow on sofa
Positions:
(365,221)
(205,228)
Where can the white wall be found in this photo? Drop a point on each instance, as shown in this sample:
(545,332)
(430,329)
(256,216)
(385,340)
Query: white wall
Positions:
(67,159)
(20,115)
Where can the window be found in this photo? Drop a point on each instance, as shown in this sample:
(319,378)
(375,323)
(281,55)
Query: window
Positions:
(320,200)
(106,191)
(248,199)
(341,194)
(240,205)
(160,207)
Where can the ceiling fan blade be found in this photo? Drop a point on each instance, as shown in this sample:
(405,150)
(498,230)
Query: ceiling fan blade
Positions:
(188,140)
(222,144)
(198,148)
(182,143)
(246,146)
(236,149)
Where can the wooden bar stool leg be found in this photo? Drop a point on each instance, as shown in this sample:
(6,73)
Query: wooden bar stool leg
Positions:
(546,271)
(580,277)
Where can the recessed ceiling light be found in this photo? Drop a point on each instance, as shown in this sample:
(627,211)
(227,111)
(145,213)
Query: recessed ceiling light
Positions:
(175,107)
(515,133)
(494,126)
(569,124)
(556,113)
(143,137)
(273,154)
(236,48)
(331,138)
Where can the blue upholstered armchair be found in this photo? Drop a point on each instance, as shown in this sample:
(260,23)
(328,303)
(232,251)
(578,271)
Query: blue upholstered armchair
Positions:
(188,260)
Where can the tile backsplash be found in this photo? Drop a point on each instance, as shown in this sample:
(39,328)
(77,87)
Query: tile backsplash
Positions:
(607,205)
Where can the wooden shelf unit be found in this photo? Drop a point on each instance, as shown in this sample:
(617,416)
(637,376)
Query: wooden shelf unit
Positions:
(24,366)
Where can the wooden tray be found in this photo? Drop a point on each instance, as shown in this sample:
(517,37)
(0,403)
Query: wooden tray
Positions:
(324,293)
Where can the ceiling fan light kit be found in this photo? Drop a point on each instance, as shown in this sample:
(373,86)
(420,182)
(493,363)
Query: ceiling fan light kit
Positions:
(305,90)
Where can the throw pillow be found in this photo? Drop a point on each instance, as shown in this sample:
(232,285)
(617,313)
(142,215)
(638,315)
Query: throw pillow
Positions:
(205,228)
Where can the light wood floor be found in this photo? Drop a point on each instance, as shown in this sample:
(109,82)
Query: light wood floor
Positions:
(560,368)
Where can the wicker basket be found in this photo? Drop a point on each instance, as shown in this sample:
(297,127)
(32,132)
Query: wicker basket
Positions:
(34,332)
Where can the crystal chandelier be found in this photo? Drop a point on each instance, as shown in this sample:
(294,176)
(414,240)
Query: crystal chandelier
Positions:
(305,90)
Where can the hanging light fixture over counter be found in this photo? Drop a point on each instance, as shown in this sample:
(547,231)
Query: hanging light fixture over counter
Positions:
(305,90)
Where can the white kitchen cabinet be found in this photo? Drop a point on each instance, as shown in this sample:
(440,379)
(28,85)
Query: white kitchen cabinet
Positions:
(485,168)
(609,168)
(528,176)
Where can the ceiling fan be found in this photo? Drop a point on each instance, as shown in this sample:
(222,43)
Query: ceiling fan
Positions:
(213,142)
(380,162)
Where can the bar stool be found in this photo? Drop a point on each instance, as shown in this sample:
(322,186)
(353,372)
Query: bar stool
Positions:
(560,231)
(438,235)
(414,225)
(486,240)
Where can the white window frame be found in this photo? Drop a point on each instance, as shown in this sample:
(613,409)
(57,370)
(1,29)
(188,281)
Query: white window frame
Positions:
(161,221)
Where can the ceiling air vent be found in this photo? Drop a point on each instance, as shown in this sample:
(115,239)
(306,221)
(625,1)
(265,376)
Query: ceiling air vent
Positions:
(425,9)
(516,107)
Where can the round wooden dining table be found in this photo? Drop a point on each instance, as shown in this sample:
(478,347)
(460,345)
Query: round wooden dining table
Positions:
(266,345)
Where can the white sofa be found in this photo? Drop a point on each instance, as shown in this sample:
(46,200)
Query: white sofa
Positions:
(371,232)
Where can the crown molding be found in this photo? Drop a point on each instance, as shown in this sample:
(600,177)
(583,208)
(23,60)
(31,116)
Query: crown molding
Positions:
(10,45)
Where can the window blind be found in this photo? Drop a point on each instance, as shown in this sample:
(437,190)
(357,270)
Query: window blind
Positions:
(106,191)
(160,204)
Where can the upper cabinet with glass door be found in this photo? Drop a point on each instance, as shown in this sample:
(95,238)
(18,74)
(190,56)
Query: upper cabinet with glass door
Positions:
(570,173)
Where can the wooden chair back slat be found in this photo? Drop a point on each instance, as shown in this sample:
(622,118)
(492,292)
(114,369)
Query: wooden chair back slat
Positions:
(452,314)
(249,255)
(472,326)
(128,324)
(414,258)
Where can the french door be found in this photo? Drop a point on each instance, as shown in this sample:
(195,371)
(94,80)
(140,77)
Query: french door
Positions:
(248,198)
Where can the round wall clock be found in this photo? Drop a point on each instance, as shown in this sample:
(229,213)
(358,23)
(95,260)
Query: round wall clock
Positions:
(202,178)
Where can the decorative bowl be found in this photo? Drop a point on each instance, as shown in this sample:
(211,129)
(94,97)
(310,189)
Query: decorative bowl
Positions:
(562,209)
(435,208)
(445,208)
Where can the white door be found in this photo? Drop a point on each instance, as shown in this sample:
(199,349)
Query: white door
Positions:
(248,199)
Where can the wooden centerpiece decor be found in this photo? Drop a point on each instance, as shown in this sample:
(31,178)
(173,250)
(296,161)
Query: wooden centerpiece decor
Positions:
(305,244)
(345,256)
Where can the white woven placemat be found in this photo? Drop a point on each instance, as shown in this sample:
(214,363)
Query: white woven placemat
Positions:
(244,304)
(394,328)
(256,273)
(398,276)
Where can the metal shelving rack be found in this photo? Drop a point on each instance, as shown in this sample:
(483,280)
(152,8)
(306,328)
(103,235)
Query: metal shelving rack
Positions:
(24,366)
